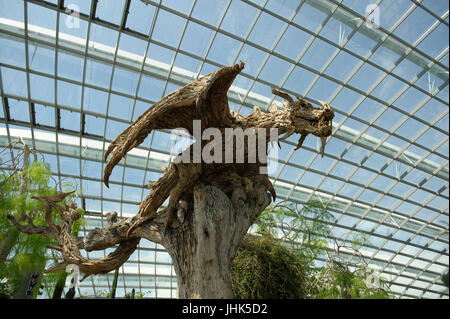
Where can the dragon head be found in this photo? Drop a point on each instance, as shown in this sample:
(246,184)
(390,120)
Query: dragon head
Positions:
(306,119)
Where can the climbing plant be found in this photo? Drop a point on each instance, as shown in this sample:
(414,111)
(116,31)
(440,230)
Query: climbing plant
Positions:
(305,231)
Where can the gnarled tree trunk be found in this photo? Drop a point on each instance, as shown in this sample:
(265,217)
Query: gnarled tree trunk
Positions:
(203,247)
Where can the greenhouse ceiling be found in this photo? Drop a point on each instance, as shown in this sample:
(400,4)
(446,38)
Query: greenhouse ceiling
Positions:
(75,73)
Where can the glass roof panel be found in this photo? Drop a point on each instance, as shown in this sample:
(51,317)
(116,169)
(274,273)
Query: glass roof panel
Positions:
(342,66)
(45,115)
(345,100)
(98,73)
(293,42)
(407,69)
(42,88)
(339,27)
(168,28)
(18,110)
(208,11)
(69,25)
(318,54)
(388,88)
(283,8)
(410,99)
(39,16)
(385,57)
(299,80)
(431,110)
(129,44)
(69,165)
(110,11)
(69,94)
(444,93)
(312,14)
(42,59)
(239,18)
(95,100)
(12,51)
(389,119)
(432,45)
(432,80)
(438,7)
(70,66)
(150,88)
(163,54)
(187,63)
(356,154)
(253,57)
(82,6)
(324,89)
(361,44)
(414,25)
(120,106)
(290,174)
(363,82)
(100,35)
(140,16)
(275,70)
(18,83)
(124,81)
(410,128)
(224,49)
(330,185)
(196,39)
(266,30)
(431,138)
(114,128)
(180,6)
(15,10)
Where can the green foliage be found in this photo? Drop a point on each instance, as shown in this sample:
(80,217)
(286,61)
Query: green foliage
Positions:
(139,295)
(306,230)
(12,202)
(134,295)
(29,251)
(5,291)
(263,268)
(339,281)
(107,294)
(444,279)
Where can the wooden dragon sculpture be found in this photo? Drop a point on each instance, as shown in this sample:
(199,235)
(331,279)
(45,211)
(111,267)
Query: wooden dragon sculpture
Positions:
(205,100)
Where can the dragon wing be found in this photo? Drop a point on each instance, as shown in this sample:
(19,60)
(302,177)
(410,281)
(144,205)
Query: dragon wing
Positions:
(178,110)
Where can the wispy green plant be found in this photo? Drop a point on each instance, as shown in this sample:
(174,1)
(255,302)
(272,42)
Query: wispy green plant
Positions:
(26,251)
(306,231)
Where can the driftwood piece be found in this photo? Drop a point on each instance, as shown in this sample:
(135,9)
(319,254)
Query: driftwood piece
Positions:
(183,182)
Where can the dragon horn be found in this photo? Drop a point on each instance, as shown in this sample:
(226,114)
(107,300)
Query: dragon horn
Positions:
(323,139)
(300,141)
(286,135)
(324,104)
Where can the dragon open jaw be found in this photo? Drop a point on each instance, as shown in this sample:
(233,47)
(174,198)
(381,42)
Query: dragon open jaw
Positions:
(307,119)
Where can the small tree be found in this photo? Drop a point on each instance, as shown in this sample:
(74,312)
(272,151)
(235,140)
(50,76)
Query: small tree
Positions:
(305,231)
(21,181)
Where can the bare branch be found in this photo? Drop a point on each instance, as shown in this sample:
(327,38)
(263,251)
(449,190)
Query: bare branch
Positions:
(32,229)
